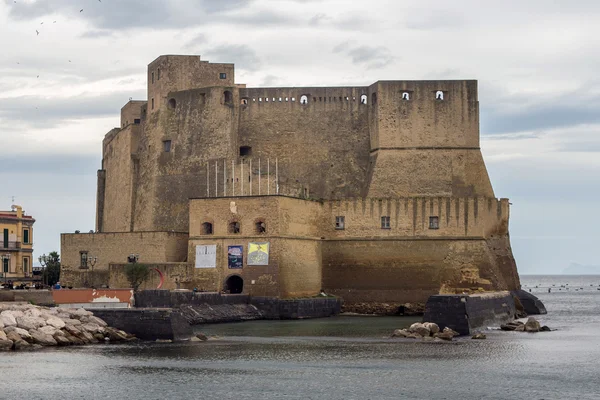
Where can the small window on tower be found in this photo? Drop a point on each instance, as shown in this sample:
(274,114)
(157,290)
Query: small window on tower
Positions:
(340,223)
(385,222)
(234,227)
(167,146)
(434,223)
(245,151)
(83,259)
(137,121)
(222,75)
(207,228)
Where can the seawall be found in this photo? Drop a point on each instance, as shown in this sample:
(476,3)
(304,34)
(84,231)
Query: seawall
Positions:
(468,313)
(148,324)
(202,307)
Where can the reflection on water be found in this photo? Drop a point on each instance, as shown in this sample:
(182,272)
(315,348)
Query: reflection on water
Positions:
(335,358)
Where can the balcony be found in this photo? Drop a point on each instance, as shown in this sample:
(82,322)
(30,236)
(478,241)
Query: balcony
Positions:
(14,245)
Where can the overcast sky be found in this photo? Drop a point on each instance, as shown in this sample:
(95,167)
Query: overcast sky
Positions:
(536,61)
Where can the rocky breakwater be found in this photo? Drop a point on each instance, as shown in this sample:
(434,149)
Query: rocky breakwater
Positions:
(532,325)
(427,331)
(28,327)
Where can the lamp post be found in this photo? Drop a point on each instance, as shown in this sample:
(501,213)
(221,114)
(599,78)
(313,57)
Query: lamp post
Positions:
(43,259)
(92,261)
(5,259)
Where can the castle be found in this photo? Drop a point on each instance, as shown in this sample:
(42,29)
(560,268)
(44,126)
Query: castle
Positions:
(374,193)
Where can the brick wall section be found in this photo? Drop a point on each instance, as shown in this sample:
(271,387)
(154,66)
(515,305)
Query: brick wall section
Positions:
(114,248)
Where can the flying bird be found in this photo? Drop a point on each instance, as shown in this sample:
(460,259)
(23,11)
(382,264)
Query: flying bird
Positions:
(36,31)
(81,10)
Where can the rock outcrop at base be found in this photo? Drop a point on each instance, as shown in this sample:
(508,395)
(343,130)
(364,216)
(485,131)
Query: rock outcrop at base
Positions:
(427,331)
(24,326)
(532,325)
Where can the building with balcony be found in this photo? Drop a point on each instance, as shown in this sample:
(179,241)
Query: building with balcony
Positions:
(16,244)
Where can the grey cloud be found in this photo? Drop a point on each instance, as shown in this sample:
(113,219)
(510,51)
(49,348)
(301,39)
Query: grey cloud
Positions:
(156,14)
(196,41)
(539,116)
(94,34)
(318,19)
(372,57)
(44,112)
(270,80)
(244,56)
(61,164)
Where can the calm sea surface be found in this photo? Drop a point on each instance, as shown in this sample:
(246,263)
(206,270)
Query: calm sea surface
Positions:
(335,358)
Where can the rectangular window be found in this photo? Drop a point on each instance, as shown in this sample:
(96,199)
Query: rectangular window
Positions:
(26,266)
(137,121)
(83,256)
(222,75)
(26,236)
(167,145)
(5,264)
(153,104)
(6,238)
(385,222)
(340,222)
(434,223)
(158,78)
(153,77)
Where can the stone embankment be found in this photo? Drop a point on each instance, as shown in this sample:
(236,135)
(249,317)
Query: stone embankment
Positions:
(28,327)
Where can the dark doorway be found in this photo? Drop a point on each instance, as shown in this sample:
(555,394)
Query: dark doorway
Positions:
(234,285)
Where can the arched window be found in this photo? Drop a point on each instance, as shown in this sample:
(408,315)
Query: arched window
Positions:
(228,97)
(374,98)
(304,99)
(207,228)
(405,96)
(244,101)
(235,227)
(363,99)
(439,95)
(261,227)
(172,104)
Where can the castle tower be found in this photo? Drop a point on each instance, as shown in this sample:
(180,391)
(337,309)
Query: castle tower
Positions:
(425,140)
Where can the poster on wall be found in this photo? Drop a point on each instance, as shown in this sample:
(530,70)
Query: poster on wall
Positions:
(235,257)
(258,253)
(206,256)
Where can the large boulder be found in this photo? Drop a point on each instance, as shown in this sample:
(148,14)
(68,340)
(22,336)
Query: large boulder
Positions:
(92,328)
(419,329)
(532,325)
(33,312)
(62,340)
(8,319)
(511,326)
(433,327)
(42,338)
(22,333)
(29,323)
(80,313)
(94,320)
(48,330)
(450,331)
(6,345)
(401,333)
(56,322)
(73,322)
(3,335)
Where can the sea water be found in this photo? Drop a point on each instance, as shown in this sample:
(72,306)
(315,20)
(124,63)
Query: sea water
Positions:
(335,358)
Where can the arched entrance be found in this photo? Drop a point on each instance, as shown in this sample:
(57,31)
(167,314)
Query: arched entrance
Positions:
(234,284)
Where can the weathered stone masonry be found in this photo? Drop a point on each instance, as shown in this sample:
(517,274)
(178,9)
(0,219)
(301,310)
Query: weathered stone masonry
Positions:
(398,160)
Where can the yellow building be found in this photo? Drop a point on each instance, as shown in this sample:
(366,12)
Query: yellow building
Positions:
(16,244)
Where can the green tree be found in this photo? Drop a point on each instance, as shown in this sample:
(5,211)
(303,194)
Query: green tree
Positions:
(51,273)
(136,274)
